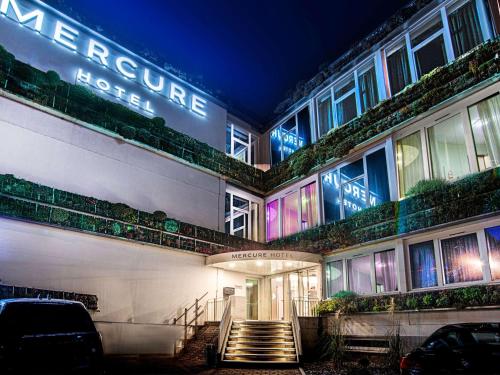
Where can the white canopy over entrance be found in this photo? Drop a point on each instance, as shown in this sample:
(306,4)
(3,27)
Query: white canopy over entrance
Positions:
(264,262)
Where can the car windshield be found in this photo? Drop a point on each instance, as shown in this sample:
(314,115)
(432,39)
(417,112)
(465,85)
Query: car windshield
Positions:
(40,318)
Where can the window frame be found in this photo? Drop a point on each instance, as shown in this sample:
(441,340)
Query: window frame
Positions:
(251,199)
(460,108)
(252,142)
(284,121)
(336,168)
(296,188)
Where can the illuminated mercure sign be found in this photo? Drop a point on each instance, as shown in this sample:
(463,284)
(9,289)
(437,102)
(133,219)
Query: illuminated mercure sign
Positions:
(97,50)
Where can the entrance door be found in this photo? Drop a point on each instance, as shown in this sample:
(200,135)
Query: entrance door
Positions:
(277,299)
(252,299)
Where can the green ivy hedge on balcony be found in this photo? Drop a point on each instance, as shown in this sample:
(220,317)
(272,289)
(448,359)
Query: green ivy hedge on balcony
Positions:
(459,298)
(79,102)
(474,195)
(39,203)
(439,85)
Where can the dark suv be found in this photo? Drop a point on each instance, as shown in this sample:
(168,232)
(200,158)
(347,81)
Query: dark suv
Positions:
(48,336)
(468,348)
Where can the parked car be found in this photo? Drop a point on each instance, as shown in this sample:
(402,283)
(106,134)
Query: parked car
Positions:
(469,348)
(48,336)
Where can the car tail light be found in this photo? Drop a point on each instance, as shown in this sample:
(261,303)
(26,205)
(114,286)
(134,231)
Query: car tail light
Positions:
(407,363)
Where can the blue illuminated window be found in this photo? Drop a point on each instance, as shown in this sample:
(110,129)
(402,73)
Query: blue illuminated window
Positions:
(290,136)
(349,189)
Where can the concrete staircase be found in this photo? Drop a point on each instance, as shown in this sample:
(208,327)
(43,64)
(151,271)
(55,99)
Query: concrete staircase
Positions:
(257,341)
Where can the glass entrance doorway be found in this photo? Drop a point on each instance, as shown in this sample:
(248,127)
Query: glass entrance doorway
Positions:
(277,298)
(252,299)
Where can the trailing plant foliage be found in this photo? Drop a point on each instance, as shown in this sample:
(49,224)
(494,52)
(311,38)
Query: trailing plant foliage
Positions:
(27,200)
(77,101)
(433,88)
(459,298)
(9,291)
(332,345)
(470,196)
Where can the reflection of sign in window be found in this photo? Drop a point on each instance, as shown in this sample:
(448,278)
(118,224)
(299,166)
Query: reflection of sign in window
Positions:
(353,192)
(289,140)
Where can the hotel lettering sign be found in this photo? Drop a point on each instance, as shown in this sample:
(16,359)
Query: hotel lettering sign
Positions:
(104,53)
(267,255)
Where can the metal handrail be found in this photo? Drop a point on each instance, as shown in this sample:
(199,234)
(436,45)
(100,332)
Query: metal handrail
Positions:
(224,326)
(186,309)
(296,329)
(197,314)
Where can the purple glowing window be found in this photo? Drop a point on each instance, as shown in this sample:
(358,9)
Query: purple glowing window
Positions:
(272,220)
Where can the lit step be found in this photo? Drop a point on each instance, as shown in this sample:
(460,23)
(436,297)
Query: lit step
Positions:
(254,349)
(258,362)
(265,355)
(256,343)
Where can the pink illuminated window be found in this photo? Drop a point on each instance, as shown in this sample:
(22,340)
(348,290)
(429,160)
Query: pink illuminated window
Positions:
(290,214)
(309,206)
(272,220)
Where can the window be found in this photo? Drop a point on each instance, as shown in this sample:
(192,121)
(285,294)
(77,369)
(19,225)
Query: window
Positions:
(334,277)
(368,91)
(241,217)
(272,220)
(448,150)
(309,206)
(325,114)
(345,188)
(290,136)
(345,102)
(423,265)
(465,30)
(385,271)
(290,214)
(461,260)
(297,210)
(428,47)
(398,70)
(240,144)
(485,122)
(493,244)
(359,274)
(409,161)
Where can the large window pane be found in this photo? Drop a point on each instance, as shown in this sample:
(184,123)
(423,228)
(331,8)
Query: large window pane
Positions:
(368,91)
(410,162)
(423,265)
(378,180)
(346,109)
(430,56)
(461,260)
(331,199)
(290,214)
(275,145)
(448,151)
(272,220)
(385,271)
(290,141)
(399,70)
(353,188)
(359,274)
(485,122)
(325,114)
(228,138)
(334,277)
(304,127)
(493,241)
(464,28)
(309,206)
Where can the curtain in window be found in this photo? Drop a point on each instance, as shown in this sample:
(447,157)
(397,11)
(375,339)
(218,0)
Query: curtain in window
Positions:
(359,273)
(464,28)
(334,277)
(423,265)
(461,259)
(346,110)
(272,220)
(290,214)
(399,70)
(493,242)
(325,115)
(385,271)
(378,180)
(368,89)
(309,206)
(410,162)
(448,151)
(485,122)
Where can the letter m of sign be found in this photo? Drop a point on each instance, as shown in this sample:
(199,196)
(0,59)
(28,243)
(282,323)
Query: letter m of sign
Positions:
(36,14)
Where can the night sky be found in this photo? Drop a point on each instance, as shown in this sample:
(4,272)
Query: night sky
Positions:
(247,53)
